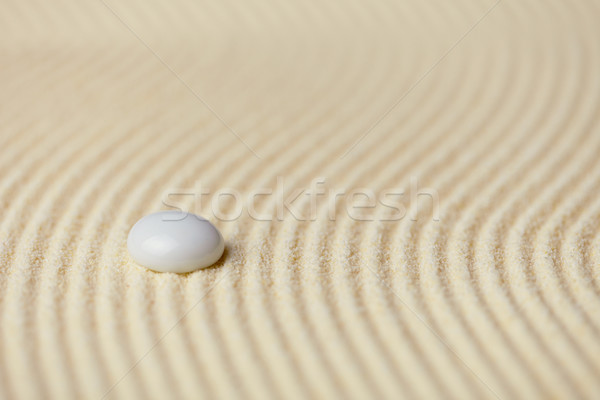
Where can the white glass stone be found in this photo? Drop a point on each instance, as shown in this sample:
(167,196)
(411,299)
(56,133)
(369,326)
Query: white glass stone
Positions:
(175,241)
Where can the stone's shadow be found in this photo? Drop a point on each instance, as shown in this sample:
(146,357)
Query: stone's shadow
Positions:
(220,262)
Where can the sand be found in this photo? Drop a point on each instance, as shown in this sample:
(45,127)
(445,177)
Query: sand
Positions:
(485,283)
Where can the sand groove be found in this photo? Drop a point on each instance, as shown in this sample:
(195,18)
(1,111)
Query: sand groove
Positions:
(495,106)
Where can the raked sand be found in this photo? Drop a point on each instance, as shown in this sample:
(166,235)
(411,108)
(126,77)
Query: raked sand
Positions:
(106,108)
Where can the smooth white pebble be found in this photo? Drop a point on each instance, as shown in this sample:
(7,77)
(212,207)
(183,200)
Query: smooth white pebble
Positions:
(175,241)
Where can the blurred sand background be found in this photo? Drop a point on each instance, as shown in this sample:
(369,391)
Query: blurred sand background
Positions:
(105,106)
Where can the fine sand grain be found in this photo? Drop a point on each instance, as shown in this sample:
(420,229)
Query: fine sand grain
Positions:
(491,290)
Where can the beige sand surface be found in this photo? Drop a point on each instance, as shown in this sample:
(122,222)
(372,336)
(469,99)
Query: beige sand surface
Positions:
(107,107)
